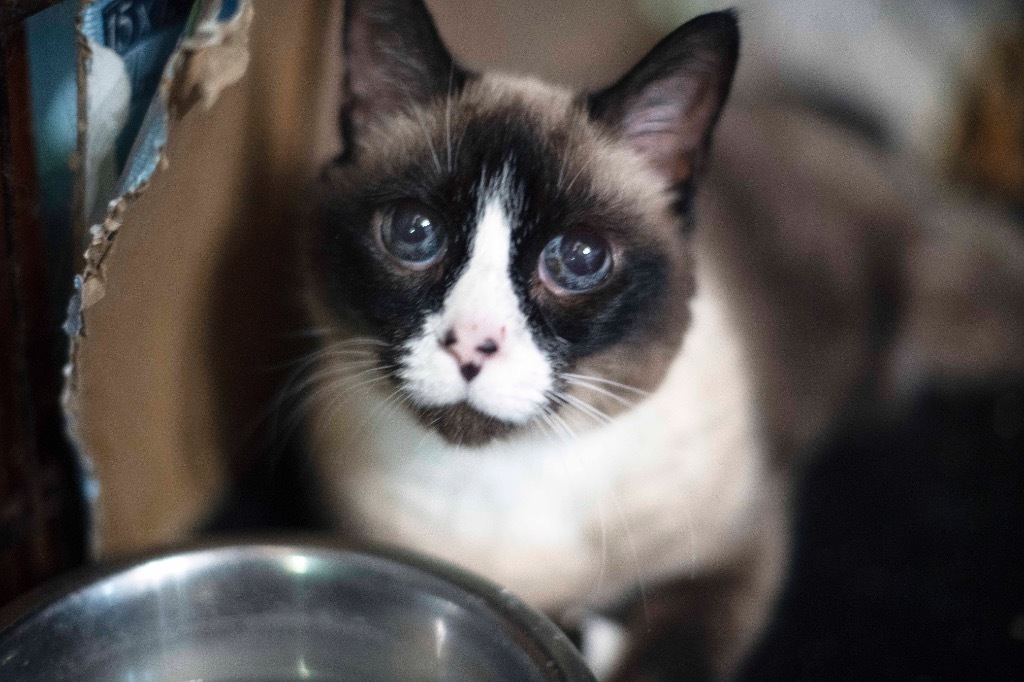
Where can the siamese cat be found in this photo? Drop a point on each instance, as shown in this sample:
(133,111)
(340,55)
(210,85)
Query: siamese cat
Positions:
(568,348)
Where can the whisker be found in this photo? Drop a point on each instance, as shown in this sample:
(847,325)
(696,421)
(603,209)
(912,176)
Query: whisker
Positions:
(427,433)
(597,389)
(586,408)
(336,377)
(342,385)
(559,426)
(351,367)
(634,553)
(358,346)
(430,142)
(601,511)
(448,117)
(575,178)
(363,339)
(609,382)
(544,420)
(603,518)
(356,356)
(394,400)
(320,331)
(343,398)
(297,381)
(336,371)
(561,171)
(565,425)
(544,423)
(283,429)
(309,332)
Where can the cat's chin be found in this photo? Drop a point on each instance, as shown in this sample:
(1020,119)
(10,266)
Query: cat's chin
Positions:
(463,425)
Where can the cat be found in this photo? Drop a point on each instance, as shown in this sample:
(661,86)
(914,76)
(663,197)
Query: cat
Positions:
(567,347)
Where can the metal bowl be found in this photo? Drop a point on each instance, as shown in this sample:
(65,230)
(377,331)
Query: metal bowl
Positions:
(280,612)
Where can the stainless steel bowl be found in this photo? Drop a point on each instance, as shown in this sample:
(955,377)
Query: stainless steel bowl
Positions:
(281,612)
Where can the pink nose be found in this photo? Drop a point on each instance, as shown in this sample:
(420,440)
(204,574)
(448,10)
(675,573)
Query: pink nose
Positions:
(472,344)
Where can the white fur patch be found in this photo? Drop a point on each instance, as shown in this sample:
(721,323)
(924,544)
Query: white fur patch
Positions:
(511,386)
(672,487)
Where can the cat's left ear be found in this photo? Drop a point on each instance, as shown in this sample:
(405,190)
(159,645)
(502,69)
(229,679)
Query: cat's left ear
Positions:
(667,105)
(394,61)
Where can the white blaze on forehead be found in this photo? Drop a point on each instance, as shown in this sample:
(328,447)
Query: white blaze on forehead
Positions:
(512,385)
(484,293)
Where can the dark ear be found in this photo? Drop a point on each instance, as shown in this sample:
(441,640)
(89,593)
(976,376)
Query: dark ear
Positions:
(394,60)
(667,105)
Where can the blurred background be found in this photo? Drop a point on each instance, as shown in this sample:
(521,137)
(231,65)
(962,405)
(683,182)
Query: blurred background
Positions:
(909,542)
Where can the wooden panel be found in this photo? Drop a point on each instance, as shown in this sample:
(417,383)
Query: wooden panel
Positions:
(13,12)
(41,516)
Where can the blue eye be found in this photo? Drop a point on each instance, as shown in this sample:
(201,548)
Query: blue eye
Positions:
(413,235)
(575,262)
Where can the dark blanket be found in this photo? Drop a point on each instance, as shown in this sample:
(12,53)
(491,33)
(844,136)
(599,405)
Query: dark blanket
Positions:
(909,556)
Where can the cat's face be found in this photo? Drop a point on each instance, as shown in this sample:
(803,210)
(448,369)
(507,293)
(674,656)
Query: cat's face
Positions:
(521,252)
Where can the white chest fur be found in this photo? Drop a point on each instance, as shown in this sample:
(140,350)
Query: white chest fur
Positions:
(669,488)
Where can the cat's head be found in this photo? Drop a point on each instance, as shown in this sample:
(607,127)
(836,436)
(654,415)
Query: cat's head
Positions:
(518,250)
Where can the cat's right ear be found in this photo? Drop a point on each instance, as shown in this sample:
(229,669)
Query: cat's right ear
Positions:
(394,60)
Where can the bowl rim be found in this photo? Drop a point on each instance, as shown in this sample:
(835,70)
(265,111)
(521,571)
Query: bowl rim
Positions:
(542,641)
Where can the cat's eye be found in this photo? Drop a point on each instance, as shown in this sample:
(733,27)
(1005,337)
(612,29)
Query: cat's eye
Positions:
(575,262)
(413,234)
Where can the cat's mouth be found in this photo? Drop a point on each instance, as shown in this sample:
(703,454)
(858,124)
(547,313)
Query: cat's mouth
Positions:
(462,424)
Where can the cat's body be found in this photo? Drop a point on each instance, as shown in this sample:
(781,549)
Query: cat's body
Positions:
(589,517)
(623,420)
(574,515)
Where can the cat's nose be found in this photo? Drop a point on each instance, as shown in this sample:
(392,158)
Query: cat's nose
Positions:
(472,344)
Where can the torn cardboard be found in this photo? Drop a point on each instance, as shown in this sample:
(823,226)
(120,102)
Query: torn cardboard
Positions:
(184,304)
(141,402)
